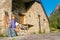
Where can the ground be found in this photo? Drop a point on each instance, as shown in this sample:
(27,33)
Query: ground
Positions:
(49,36)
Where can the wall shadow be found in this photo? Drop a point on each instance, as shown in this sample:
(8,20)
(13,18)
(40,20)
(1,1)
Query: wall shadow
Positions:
(20,6)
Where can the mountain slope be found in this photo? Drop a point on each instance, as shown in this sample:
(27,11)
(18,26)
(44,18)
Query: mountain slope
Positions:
(54,18)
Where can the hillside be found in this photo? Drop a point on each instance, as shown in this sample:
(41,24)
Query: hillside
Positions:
(54,18)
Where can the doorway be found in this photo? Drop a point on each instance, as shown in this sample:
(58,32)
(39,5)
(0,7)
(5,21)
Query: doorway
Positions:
(21,18)
(6,17)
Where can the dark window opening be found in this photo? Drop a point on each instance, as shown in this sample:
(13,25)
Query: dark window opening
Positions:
(43,19)
(6,13)
(39,16)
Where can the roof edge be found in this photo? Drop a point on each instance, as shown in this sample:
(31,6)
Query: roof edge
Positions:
(43,9)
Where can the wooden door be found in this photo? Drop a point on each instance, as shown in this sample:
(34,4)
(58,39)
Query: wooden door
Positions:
(21,19)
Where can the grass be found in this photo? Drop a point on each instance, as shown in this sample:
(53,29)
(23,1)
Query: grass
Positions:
(40,32)
(54,30)
(13,39)
(33,33)
(3,35)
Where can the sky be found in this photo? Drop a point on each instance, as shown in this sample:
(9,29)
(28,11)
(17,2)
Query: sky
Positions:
(50,5)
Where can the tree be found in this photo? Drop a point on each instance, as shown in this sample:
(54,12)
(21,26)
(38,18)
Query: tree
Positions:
(54,19)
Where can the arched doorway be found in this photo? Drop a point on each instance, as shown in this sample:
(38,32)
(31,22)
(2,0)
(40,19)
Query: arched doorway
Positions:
(6,17)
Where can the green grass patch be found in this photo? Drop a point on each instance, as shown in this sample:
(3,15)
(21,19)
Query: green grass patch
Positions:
(33,33)
(13,39)
(1,35)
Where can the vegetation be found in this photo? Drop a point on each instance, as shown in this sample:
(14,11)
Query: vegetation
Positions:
(54,20)
(33,33)
(13,39)
(1,35)
(40,32)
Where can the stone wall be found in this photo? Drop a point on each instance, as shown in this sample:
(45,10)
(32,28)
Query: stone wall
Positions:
(5,6)
(32,18)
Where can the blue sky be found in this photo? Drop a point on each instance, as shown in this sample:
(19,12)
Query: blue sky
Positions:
(50,5)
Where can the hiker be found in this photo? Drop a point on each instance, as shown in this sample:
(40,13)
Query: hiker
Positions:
(11,30)
(13,26)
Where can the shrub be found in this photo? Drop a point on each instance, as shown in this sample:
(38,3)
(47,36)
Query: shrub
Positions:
(1,35)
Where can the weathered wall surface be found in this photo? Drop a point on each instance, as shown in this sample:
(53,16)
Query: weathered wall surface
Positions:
(8,7)
(32,18)
(5,6)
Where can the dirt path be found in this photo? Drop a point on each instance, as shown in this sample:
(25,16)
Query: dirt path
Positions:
(50,36)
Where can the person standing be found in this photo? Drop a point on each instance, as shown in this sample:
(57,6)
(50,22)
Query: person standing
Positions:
(11,29)
(13,26)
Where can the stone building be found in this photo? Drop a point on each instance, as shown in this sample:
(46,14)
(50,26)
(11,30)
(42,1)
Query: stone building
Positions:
(27,12)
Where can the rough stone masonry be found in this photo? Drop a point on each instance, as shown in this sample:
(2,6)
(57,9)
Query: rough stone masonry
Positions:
(34,15)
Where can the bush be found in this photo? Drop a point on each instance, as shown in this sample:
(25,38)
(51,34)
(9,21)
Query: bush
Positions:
(1,35)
